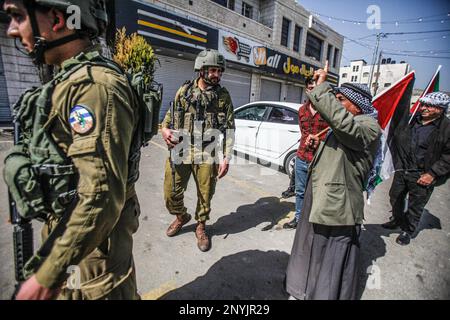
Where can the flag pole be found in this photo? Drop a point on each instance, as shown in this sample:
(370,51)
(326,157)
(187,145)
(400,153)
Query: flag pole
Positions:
(425,91)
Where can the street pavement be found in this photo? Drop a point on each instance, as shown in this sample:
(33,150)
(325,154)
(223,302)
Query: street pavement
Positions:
(250,249)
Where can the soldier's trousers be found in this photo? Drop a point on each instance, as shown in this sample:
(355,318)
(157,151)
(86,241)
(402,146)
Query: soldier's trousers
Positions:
(108,272)
(205,176)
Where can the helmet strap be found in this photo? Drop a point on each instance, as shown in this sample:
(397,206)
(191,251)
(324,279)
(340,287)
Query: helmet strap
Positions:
(41,44)
(204,74)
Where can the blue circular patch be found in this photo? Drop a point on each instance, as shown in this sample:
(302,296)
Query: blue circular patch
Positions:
(81,120)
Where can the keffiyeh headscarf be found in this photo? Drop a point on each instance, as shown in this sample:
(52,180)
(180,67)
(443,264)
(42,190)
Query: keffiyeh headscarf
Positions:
(436,99)
(358,94)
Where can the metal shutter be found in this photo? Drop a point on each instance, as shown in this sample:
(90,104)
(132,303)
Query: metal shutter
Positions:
(270,90)
(294,94)
(238,83)
(172,74)
(5,111)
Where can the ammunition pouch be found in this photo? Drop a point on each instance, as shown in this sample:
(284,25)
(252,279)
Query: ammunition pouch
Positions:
(150,99)
(38,190)
(24,186)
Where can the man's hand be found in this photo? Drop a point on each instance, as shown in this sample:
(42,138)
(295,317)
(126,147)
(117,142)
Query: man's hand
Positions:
(321,75)
(223,169)
(169,137)
(32,290)
(426,180)
(312,142)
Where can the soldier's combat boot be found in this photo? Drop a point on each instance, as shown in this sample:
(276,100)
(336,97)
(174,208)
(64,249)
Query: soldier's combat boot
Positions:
(203,242)
(179,222)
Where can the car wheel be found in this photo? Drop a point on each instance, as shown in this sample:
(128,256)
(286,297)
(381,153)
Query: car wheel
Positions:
(289,163)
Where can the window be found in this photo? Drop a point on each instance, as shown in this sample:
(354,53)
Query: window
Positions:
(313,47)
(355,68)
(336,58)
(366,74)
(230,4)
(344,75)
(253,113)
(285,28)
(281,115)
(297,38)
(221,2)
(387,85)
(354,79)
(247,10)
(329,51)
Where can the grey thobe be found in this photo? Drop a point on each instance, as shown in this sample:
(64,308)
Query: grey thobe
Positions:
(324,261)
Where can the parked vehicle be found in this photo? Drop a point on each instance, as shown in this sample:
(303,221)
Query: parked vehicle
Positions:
(269,131)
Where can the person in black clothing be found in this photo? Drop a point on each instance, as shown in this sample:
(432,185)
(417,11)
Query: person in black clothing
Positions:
(425,164)
(290,191)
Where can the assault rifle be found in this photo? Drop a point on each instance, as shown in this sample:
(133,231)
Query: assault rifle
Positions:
(22,233)
(171,127)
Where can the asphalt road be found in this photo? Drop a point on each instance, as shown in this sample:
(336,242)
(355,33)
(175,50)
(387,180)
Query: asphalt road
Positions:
(250,250)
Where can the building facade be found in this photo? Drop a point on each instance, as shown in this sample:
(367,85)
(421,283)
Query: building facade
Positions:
(270,45)
(388,73)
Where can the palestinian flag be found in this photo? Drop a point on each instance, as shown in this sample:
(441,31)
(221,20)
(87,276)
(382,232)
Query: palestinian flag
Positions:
(433,86)
(393,106)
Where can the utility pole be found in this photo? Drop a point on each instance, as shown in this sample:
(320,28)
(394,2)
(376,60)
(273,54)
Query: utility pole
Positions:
(377,75)
(375,54)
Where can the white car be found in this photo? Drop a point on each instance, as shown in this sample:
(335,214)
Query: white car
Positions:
(268,130)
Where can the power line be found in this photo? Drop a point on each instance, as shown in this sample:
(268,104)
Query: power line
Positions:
(415,39)
(415,55)
(395,22)
(405,33)
(415,32)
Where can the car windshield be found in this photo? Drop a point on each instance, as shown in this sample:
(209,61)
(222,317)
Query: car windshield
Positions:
(254,113)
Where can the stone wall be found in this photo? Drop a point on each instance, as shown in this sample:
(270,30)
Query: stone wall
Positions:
(20,73)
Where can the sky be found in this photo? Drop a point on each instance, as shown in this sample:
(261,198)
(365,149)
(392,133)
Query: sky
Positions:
(360,40)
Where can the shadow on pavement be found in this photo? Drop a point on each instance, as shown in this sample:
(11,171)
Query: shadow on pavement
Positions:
(268,209)
(247,275)
(373,246)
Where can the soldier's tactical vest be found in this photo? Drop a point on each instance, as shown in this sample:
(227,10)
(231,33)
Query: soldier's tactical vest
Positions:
(41,178)
(191,104)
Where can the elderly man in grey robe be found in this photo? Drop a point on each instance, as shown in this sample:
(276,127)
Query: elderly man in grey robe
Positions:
(325,256)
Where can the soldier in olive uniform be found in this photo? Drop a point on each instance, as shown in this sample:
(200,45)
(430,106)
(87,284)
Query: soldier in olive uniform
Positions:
(72,166)
(200,106)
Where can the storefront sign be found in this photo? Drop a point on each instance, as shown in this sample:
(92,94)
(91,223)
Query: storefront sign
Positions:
(164,29)
(278,63)
(236,48)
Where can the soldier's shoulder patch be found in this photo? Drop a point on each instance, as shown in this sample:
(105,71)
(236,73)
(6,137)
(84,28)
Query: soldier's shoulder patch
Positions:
(82,120)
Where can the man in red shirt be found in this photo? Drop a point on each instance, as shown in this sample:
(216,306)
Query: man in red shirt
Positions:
(311,123)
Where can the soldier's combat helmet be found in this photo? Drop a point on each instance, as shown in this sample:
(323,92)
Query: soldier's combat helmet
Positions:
(209,58)
(94,20)
(93,12)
